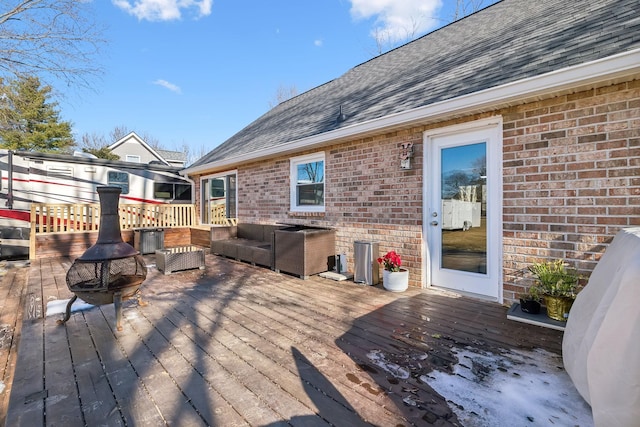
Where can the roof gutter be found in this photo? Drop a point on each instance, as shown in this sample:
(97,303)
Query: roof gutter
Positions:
(583,75)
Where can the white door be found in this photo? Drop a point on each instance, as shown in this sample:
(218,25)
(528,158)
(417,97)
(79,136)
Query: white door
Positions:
(463,213)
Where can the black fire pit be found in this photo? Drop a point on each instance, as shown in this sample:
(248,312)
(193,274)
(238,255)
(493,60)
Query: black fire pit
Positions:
(111,271)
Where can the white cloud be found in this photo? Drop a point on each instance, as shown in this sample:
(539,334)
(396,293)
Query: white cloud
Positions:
(397,20)
(168,85)
(164,10)
(317,42)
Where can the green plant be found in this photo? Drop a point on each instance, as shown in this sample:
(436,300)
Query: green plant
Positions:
(554,278)
(534,293)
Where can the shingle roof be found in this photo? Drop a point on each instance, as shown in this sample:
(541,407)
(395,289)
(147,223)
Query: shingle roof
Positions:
(509,41)
(169,155)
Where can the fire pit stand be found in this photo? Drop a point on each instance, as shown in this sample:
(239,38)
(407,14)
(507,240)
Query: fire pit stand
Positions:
(110,271)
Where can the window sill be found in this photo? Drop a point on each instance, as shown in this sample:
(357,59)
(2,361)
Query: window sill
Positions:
(293,214)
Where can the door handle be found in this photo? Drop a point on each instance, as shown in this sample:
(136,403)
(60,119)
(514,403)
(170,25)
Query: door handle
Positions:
(434,223)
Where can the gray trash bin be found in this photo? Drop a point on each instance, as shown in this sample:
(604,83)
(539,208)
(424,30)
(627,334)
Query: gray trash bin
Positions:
(148,240)
(366,262)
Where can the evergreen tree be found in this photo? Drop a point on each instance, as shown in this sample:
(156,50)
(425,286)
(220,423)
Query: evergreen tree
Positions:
(28,120)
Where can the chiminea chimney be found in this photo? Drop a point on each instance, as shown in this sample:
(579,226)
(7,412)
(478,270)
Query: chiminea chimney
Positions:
(111,270)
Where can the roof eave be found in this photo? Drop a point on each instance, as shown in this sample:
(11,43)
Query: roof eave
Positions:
(569,79)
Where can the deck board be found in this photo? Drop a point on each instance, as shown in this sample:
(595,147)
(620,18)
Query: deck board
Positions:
(133,401)
(59,376)
(96,398)
(12,296)
(238,345)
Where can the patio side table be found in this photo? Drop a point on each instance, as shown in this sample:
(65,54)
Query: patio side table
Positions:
(179,258)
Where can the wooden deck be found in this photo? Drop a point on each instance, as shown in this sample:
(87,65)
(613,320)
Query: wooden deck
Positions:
(237,345)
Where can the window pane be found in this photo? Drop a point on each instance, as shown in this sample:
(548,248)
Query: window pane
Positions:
(309,173)
(119,179)
(311,195)
(217,188)
(231,197)
(183,192)
(162,190)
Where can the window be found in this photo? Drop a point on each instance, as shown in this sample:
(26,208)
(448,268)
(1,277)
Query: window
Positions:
(183,192)
(162,190)
(133,158)
(170,191)
(118,179)
(307,183)
(218,198)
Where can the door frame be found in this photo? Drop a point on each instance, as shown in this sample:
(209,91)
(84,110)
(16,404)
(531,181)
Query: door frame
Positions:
(492,125)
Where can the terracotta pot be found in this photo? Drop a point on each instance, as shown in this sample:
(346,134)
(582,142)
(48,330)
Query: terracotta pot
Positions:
(395,281)
(558,307)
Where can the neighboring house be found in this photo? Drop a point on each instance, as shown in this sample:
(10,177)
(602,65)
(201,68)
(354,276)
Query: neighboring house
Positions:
(509,136)
(132,148)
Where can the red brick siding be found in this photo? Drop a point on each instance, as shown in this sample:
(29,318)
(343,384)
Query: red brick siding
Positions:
(367,196)
(571,178)
(571,167)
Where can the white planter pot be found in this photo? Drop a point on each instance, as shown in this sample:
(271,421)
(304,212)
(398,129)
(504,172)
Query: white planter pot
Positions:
(395,281)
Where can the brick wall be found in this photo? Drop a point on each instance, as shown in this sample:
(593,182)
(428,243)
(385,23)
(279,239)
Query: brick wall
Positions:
(571,178)
(367,196)
(571,167)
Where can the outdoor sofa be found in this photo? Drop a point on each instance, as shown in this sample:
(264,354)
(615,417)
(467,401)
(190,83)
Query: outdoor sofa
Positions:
(251,243)
(296,249)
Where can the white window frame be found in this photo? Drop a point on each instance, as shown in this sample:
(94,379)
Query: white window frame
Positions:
(293,175)
(133,158)
(213,176)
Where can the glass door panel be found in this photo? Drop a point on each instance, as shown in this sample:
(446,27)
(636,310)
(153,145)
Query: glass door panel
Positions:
(464,232)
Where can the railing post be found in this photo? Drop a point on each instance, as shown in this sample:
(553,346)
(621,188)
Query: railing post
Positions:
(32,234)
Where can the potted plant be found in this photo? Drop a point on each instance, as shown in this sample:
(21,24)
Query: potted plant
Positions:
(530,302)
(558,285)
(394,277)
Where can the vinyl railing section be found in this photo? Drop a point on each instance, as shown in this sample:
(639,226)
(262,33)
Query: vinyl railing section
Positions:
(49,218)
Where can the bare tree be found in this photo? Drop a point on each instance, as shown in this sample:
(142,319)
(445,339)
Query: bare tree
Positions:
(98,146)
(118,132)
(51,39)
(283,94)
(466,7)
(152,141)
(192,154)
(121,131)
(386,40)
(93,141)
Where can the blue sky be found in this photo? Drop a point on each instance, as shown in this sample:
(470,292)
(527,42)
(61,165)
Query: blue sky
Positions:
(194,73)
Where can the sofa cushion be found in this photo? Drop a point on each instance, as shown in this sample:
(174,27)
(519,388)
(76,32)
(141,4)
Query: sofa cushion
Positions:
(224,232)
(230,247)
(255,253)
(251,232)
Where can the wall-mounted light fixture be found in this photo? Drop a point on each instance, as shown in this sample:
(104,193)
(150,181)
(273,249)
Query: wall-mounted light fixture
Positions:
(406,154)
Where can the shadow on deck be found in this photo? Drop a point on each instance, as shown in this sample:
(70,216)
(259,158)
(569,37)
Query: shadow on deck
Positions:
(240,345)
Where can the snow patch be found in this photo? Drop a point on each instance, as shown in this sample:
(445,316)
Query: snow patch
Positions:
(511,389)
(377,357)
(59,306)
